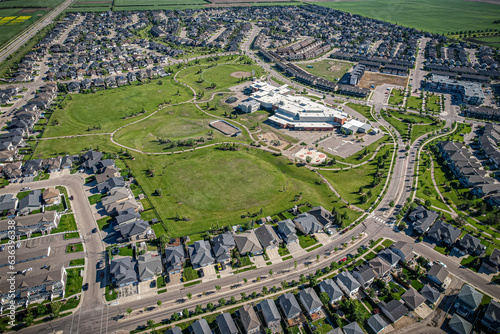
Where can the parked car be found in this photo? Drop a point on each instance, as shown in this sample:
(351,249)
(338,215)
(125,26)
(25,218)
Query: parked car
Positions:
(441,263)
(85,287)
(25,188)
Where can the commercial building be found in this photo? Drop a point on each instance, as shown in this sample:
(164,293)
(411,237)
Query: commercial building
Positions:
(354,126)
(470,92)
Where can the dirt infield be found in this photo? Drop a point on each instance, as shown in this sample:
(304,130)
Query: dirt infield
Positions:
(376,79)
(225,128)
(241,74)
(31,10)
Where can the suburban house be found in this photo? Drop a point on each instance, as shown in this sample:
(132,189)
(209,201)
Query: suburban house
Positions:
(122,271)
(174,330)
(412,298)
(106,174)
(51,196)
(226,324)
(469,245)
(290,308)
(352,328)
(377,323)
(27,225)
(331,289)
(247,243)
(200,254)
(271,315)
(174,258)
(307,224)
(347,283)
(32,202)
(287,232)
(222,245)
(444,232)
(393,310)
(404,250)
(323,216)
(492,263)
(267,237)
(249,319)
(380,266)
(459,325)
(110,183)
(491,317)
(422,219)
(8,204)
(389,256)
(468,300)
(437,274)
(311,303)
(148,267)
(136,230)
(116,195)
(127,216)
(429,293)
(364,274)
(200,327)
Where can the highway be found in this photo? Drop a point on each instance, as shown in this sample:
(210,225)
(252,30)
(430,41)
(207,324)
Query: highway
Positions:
(32,30)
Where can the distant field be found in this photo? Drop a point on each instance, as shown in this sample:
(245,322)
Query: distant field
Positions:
(15,20)
(121,3)
(441,16)
(492,41)
(327,69)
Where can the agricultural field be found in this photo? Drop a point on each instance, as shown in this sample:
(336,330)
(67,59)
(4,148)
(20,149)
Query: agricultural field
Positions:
(92,5)
(107,110)
(327,69)
(15,20)
(444,16)
(491,41)
(195,187)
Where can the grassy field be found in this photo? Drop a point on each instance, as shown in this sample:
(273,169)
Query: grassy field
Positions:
(206,187)
(442,16)
(359,157)
(329,69)
(492,41)
(396,97)
(433,103)
(349,181)
(413,102)
(73,282)
(54,147)
(14,20)
(174,123)
(108,109)
(425,188)
(419,130)
(363,110)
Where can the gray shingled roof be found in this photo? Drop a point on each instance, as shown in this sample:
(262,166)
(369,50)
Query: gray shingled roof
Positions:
(377,323)
(286,229)
(148,266)
(247,242)
(460,325)
(353,328)
(266,238)
(389,256)
(174,256)
(413,298)
(200,253)
(331,288)
(308,222)
(201,327)
(470,296)
(289,305)
(429,293)
(269,310)
(226,324)
(248,317)
(123,270)
(309,299)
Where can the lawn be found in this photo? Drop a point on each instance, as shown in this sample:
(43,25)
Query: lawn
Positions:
(220,194)
(70,304)
(306,241)
(370,256)
(411,117)
(110,294)
(189,274)
(105,222)
(387,243)
(126,251)
(322,326)
(107,110)
(433,103)
(396,97)
(71,235)
(442,249)
(400,126)
(363,110)
(54,147)
(94,199)
(413,102)
(469,263)
(77,262)
(425,188)
(74,248)
(420,130)
(283,251)
(183,122)
(442,16)
(349,181)
(67,223)
(328,69)
(73,282)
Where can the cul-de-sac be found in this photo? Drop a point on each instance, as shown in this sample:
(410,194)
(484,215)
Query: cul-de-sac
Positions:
(249,166)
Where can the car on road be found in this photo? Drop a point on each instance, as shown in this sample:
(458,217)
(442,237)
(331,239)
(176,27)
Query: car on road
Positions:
(441,263)
(94,230)
(85,287)
(25,188)
(2,248)
(343,260)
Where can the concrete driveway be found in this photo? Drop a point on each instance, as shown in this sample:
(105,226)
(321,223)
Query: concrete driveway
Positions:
(210,273)
(295,249)
(323,238)
(274,255)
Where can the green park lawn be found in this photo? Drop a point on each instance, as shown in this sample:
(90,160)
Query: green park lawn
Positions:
(67,223)
(108,109)
(74,248)
(349,181)
(433,103)
(425,188)
(73,282)
(54,147)
(396,97)
(327,69)
(180,122)
(442,16)
(420,130)
(413,102)
(306,241)
(363,110)
(411,117)
(77,262)
(206,187)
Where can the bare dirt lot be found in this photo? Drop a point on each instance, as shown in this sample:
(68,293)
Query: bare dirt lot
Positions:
(273,140)
(31,10)
(376,79)
(224,127)
(241,74)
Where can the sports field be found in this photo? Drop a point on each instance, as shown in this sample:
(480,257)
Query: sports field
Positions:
(106,110)
(441,16)
(176,123)
(327,69)
(207,187)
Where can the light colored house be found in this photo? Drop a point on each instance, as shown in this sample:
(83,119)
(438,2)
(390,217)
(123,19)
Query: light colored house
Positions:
(51,196)
(248,243)
(347,283)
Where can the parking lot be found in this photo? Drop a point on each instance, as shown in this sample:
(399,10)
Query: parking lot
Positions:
(347,145)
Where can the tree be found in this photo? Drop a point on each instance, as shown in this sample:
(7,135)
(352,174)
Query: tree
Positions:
(28,318)
(189,295)
(245,281)
(243,295)
(150,323)
(233,300)
(270,272)
(324,298)
(185,313)
(129,310)
(317,257)
(217,287)
(295,264)
(41,309)
(198,309)
(55,308)
(210,307)
(158,192)
(264,290)
(402,226)
(175,316)
(428,203)
(222,302)
(158,302)
(391,204)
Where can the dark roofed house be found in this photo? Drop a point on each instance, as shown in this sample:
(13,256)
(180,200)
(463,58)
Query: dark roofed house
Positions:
(412,298)
(310,301)
(135,230)
(468,300)
(404,250)
(290,307)
(469,245)
(270,314)
(148,266)
(380,266)
(377,323)
(352,328)
(200,254)
(307,224)
(249,319)
(110,183)
(31,202)
(492,263)
(226,324)
(364,274)
(123,271)
(331,289)
(8,202)
(174,330)
(393,310)
(429,293)
(422,219)
(437,273)
(267,237)
(491,317)
(174,258)
(347,283)
(459,325)
(389,256)
(444,232)
(200,327)
(247,243)
(323,216)
(221,247)
(286,230)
